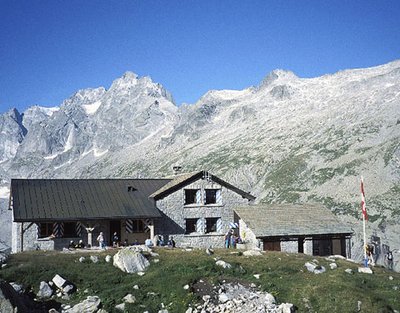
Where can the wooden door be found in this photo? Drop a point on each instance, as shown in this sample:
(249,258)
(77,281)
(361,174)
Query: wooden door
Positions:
(272,245)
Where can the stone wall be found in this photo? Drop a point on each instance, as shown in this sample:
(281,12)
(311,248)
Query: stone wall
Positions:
(175,213)
(291,246)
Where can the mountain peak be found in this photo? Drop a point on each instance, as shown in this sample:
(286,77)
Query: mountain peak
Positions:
(128,75)
(278,74)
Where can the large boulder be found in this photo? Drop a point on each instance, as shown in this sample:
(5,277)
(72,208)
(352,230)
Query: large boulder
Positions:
(130,261)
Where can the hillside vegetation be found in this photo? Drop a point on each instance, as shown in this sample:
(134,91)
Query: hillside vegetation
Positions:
(281,274)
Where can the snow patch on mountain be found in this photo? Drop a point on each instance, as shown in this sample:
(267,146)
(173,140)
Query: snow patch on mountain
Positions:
(92,108)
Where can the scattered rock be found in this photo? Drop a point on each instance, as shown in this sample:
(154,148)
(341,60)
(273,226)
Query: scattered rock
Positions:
(45,291)
(257,276)
(120,307)
(390,278)
(59,281)
(108,258)
(252,253)
(129,298)
(314,268)
(94,258)
(141,273)
(365,270)
(286,308)
(270,299)
(223,264)
(209,251)
(82,259)
(186,287)
(156,260)
(223,297)
(90,305)
(348,271)
(68,289)
(359,306)
(333,266)
(18,288)
(130,261)
(136,287)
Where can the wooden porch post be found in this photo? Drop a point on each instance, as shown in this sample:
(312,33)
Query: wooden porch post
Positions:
(22,236)
(151,227)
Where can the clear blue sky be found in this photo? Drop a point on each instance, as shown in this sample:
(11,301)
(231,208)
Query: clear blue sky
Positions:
(50,49)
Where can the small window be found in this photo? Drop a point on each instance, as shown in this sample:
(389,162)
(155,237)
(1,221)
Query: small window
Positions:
(213,196)
(211,224)
(45,230)
(192,196)
(138,226)
(191,225)
(70,229)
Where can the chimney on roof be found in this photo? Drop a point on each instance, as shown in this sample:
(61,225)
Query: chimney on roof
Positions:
(177,169)
(131,188)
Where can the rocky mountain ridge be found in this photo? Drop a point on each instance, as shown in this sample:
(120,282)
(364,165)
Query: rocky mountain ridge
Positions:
(289,139)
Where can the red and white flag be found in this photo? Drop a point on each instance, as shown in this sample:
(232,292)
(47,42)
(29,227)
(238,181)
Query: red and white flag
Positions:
(363,205)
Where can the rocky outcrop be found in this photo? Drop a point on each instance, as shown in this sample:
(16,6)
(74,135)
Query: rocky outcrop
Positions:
(237,298)
(12,301)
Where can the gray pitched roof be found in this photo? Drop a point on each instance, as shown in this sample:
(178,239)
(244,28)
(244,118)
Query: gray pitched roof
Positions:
(182,180)
(291,220)
(83,199)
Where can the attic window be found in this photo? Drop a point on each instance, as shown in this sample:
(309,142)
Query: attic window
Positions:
(131,189)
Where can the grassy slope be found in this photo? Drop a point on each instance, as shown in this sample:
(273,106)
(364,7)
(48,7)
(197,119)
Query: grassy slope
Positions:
(283,275)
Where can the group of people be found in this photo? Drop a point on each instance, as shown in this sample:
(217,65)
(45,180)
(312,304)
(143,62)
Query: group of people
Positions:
(163,241)
(73,245)
(231,239)
(370,252)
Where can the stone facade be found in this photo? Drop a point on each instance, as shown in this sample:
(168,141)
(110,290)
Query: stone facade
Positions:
(290,246)
(176,213)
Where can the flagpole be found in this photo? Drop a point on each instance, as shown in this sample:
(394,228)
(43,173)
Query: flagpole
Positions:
(365,239)
(363,206)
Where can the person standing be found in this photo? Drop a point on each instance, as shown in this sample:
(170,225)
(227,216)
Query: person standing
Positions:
(228,239)
(100,239)
(389,259)
(115,240)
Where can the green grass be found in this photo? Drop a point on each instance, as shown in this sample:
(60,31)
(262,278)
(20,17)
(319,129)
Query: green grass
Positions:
(281,274)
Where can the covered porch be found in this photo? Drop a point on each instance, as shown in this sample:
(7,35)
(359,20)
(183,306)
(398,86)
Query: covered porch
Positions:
(49,214)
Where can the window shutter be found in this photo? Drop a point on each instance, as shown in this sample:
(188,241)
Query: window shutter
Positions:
(218,196)
(38,230)
(78,229)
(129,226)
(198,196)
(147,223)
(219,225)
(200,226)
(58,229)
